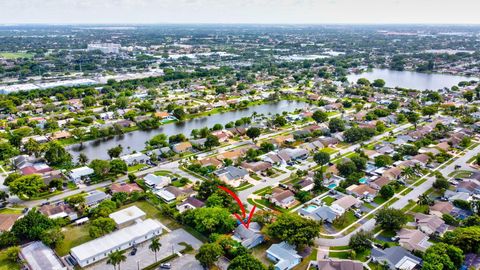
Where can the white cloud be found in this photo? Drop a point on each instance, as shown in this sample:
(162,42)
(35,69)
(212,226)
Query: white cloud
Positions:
(240,11)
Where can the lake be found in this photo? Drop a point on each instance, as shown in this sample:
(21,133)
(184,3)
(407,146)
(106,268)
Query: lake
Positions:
(135,140)
(411,79)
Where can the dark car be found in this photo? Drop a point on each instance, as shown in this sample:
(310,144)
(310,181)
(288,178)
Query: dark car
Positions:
(134,251)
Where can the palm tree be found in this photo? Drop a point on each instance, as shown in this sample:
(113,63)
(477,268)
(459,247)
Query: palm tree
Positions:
(115,258)
(424,200)
(155,246)
(408,172)
(82,159)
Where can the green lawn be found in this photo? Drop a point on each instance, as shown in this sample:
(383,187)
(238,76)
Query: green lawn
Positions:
(328,200)
(15,55)
(74,236)
(420,208)
(11,211)
(379,200)
(349,218)
(148,208)
(6,264)
(135,168)
(263,191)
(243,186)
(340,255)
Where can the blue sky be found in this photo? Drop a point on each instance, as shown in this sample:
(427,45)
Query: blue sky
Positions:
(240,11)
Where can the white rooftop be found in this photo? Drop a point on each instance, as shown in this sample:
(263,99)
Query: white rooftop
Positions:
(127,214)
(40,257)
(115,239)
(79,172)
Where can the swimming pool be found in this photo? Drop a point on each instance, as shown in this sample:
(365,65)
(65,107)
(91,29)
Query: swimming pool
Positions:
(362,180)
(310,208)
(332,186)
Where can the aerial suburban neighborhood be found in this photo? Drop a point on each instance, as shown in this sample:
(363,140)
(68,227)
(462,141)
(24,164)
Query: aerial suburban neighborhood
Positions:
(233,147)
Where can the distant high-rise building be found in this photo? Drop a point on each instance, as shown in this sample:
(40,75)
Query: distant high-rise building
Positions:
(105,47)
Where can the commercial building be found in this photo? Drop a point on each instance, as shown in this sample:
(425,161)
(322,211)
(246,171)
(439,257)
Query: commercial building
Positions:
(127,216)
(98,249)
(104,47)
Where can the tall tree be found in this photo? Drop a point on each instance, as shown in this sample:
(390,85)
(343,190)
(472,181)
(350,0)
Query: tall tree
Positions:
(294,229)
(155,247)
(253,133)
(116,258)
(208,254)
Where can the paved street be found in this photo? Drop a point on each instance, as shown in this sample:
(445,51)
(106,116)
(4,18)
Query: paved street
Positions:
(403,200)
(243,195)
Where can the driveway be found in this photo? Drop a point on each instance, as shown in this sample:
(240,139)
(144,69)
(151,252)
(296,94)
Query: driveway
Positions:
(145,257)
(186,262)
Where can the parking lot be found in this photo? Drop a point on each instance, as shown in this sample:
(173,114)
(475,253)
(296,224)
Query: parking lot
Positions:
(145,257)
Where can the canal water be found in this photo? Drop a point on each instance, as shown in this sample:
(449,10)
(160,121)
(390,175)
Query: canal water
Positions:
(411,79)
(135,141)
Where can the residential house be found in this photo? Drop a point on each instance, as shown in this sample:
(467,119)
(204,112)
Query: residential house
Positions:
(469,187)
(60,210)
(421,158)
(60,135)
(257,167)
(37,256)
(430,224)
(182,147)
(231,175)
(289,155)
(413,240)
(322,213)
(156,181)
(441,208)
(362,191)
(249,237)
(396,257)
(222,135)
(306,185)
(345,203)
(198,143)
(232,154)
(282,198)
(328,141)
(379,182)
(95,197)
(272,158)
(170,194)
(81,173)
(189,203)
(339,265)
(125,187)
(7,221)
(393,173)
(135,158)
(284,256)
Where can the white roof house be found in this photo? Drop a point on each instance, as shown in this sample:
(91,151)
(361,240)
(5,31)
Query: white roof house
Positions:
(135,158)
(166,195)
(78,173)
(122,239)
(156,181)
(38,256)
(127,215)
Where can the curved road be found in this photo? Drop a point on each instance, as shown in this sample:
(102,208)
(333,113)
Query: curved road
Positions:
(417,191)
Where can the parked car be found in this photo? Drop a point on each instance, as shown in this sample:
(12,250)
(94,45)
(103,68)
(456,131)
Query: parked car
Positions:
(134,251)
(165,266)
